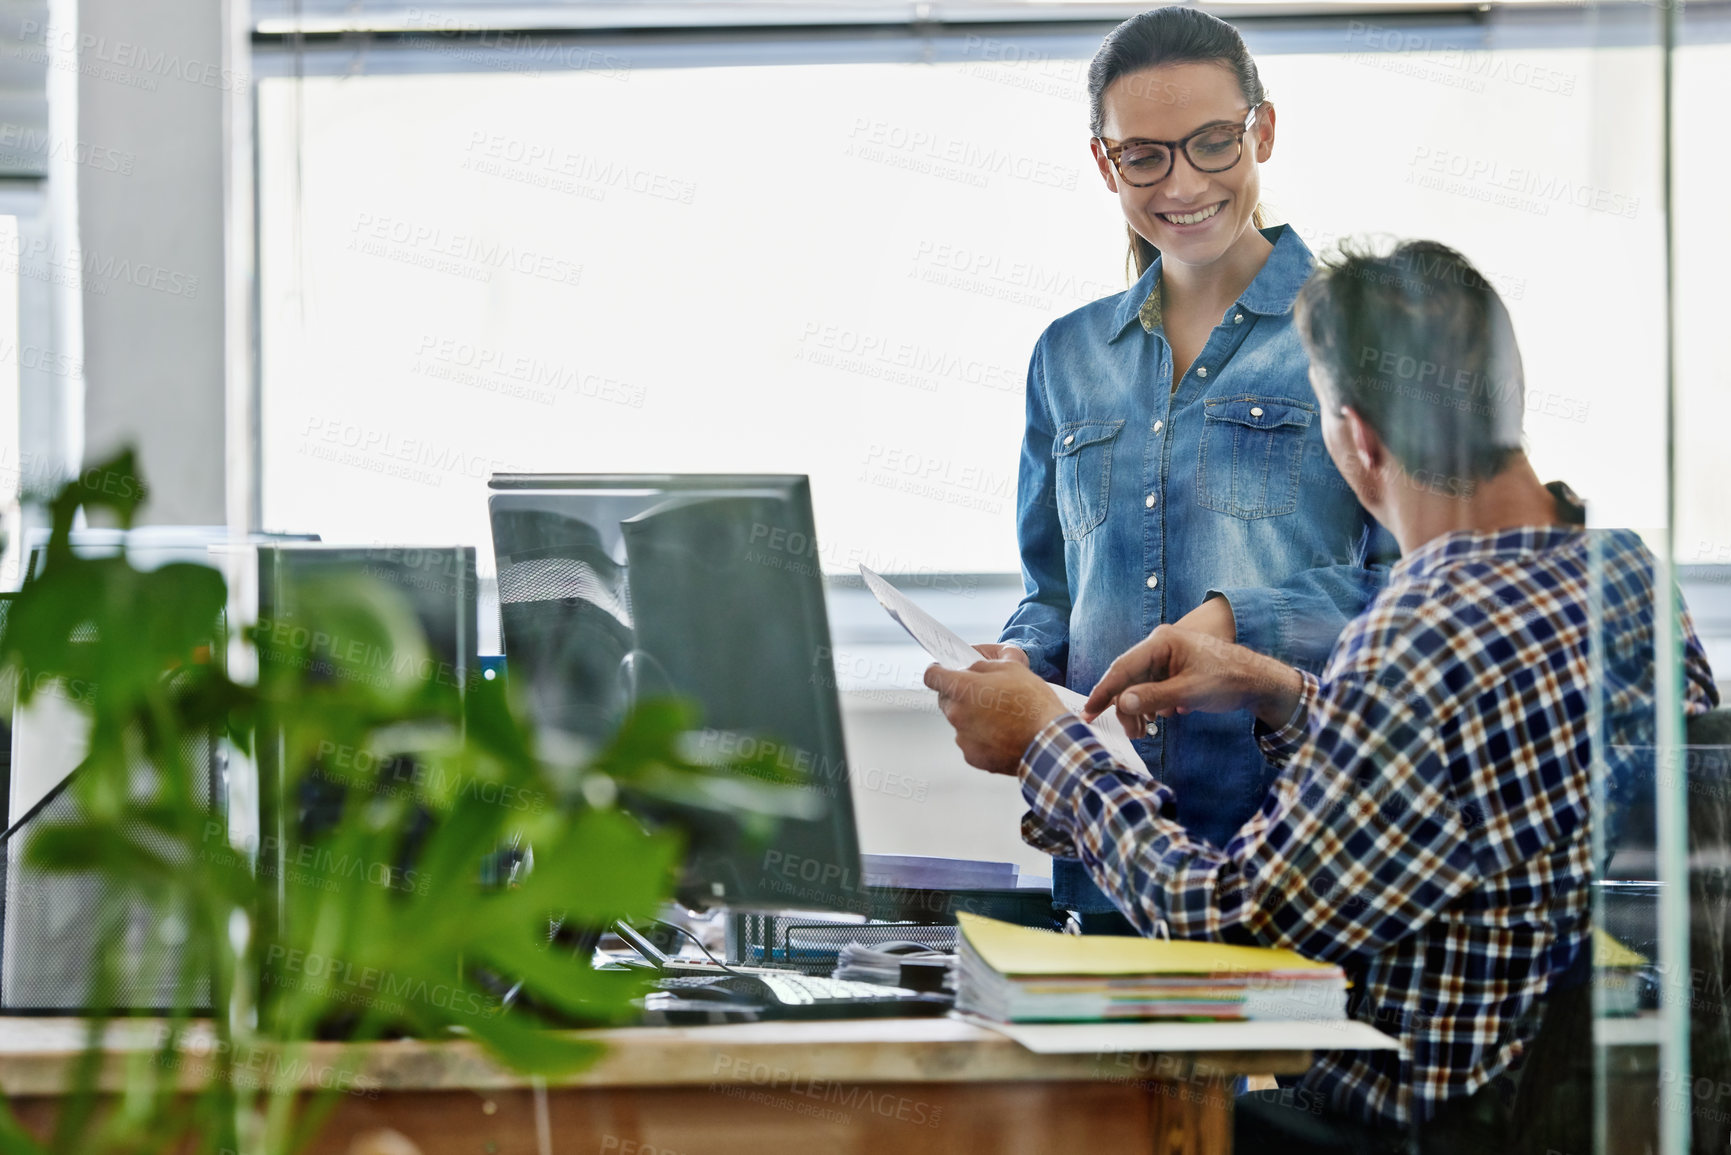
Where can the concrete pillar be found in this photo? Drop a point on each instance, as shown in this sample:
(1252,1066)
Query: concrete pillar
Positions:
(152,93)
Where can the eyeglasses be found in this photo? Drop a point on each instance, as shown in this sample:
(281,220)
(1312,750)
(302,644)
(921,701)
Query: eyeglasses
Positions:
(1214,148)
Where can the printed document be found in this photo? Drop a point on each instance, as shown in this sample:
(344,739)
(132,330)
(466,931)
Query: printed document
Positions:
(949,650)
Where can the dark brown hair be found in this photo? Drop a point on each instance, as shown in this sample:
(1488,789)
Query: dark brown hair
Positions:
(1170,35)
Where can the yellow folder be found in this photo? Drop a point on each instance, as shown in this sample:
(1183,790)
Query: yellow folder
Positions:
(1608,952)
(1021,950)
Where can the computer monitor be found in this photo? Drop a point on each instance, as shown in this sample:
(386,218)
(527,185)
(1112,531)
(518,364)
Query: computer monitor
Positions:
(617,588)
(48,919)
(278,809)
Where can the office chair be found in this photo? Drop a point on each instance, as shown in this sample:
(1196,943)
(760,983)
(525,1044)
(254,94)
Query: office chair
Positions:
(1710,922)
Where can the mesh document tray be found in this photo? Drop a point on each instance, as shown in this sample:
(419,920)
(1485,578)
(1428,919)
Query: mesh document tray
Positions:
(49,923)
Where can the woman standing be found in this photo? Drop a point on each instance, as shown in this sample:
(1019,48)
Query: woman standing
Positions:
(1173,466)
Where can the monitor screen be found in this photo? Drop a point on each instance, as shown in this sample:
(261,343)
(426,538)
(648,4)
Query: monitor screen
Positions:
(617,588)
(298,804)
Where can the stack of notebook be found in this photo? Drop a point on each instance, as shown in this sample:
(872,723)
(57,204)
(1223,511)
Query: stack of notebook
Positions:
(1016,974)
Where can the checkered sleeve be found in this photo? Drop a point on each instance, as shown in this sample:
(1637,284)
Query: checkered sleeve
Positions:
(1700,691)
(1278,746)
(1358,843)
(1056,759)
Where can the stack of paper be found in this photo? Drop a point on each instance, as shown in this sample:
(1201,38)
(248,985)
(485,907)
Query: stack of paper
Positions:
(865,964)
(922,872)
(1017,974)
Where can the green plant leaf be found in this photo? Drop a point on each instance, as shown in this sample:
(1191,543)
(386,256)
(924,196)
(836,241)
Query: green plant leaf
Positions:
(14,1140)
(380,916)
(534,1050)
(114,485)
(570,985)
(78,847)
(606,867)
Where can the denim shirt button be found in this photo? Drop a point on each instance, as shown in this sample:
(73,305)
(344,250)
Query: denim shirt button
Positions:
(1159,425)
(1149,501)
(1202,371)
(1238,318)
(1256,411)
(1070,439)
(1153,580)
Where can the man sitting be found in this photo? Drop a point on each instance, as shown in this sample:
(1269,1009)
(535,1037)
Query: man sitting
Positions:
(1429,829)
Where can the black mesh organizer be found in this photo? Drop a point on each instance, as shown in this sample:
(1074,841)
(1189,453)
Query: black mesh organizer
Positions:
(49,921)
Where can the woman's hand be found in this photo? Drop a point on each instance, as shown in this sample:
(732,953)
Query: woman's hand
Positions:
(1003,652)
(1214,618)
(1175,671)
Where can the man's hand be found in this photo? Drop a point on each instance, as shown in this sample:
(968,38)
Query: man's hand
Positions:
(1003,652)
(996,708)
(1176,671)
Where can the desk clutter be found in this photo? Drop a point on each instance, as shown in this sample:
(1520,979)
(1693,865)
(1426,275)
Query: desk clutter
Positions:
(897,964)
(687,1000)
(905,898)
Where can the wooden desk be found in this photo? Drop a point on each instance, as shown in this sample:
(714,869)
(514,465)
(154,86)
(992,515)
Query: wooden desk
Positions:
(905,1086)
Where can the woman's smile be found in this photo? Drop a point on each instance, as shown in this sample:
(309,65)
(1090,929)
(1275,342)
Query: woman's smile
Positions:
(1191,217)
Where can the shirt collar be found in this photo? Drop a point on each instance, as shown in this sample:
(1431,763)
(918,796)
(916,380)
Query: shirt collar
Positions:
(1145,293)
(1464,545)
(1271,293)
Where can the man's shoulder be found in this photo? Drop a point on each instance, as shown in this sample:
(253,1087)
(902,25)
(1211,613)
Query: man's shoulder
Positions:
(1380,645)
(1477,611)
(1621,561)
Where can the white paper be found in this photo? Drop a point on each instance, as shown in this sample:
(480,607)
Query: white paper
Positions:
(1106,728)
(948,649)
(1175,1037)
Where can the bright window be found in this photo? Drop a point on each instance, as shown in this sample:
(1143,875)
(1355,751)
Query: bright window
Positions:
(840,270)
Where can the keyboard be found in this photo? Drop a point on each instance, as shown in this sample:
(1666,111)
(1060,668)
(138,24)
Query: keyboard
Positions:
(789,995)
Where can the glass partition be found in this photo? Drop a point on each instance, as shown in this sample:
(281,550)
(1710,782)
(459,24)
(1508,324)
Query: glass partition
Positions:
(833,257)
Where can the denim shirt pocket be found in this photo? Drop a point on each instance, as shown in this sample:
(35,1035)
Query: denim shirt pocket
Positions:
(1252,451)
(1082,452)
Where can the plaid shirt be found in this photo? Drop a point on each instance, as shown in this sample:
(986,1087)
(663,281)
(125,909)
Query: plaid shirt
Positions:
(1429,827)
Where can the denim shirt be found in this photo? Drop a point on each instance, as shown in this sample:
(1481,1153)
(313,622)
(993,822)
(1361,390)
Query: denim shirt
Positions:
(1136,501)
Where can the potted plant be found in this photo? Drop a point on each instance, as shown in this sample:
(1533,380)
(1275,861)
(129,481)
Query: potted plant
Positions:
(383,921)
